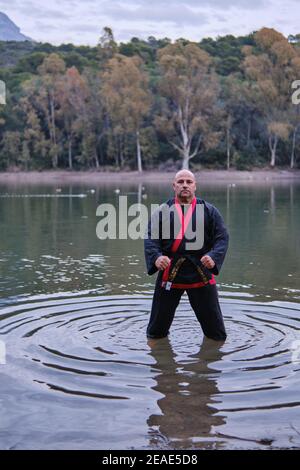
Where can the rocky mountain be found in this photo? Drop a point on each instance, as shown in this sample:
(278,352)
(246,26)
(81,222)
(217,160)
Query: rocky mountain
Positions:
(9,31)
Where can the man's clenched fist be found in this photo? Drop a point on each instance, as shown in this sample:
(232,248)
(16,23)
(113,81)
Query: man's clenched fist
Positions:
(162,262)
(208,261)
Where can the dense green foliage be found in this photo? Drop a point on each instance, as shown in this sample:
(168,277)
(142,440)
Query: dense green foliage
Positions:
(99,107)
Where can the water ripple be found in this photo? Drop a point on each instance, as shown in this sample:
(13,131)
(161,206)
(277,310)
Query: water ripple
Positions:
(92,350)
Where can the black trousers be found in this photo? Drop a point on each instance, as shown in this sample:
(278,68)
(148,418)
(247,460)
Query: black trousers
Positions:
(204,301)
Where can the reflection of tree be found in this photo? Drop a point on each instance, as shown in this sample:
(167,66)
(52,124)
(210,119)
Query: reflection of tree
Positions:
(187,389)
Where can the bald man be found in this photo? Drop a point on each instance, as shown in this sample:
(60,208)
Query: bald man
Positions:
(182,263)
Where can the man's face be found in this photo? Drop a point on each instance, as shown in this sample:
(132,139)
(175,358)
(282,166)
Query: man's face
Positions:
(184,185)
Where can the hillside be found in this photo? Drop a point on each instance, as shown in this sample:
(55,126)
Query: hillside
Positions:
(9,31)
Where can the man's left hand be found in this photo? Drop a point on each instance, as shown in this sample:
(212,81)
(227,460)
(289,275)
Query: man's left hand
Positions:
(208,261)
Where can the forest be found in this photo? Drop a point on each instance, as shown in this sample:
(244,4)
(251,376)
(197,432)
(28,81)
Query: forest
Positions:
(152,104)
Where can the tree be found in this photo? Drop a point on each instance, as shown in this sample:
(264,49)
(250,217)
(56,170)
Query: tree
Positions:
(190,89)
(107,46)
(51,72)
(294,112)
(271,69)
(35,142)
(72,98)
(277,130)
(230,103)
(11,147)
(127,99)
(294,117)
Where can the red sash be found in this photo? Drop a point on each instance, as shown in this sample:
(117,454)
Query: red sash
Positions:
(184,224)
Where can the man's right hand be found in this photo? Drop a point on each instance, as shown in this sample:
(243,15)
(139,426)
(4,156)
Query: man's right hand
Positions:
(162,262)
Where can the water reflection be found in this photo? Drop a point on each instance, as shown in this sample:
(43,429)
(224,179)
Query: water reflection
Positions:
(42,237)
(189,389)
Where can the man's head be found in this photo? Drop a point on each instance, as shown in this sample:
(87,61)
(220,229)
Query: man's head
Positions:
(184,185)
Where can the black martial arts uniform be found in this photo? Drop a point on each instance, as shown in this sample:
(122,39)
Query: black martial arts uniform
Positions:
(186,272)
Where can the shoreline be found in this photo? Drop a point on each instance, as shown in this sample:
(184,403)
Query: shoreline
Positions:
(205,176)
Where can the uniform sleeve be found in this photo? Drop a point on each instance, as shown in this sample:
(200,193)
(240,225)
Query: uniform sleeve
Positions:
(152,242)
(220,240)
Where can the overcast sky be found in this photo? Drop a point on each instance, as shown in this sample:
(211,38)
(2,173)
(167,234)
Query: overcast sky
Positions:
(81,22)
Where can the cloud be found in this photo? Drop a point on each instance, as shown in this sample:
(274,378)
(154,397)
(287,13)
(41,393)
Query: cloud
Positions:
(124,34)
(212,4)
(85,28)
(45,26)
(3,3)
(177,14)
(33,9)
(49,14)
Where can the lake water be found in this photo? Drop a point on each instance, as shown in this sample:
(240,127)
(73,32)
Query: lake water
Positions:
(76,369)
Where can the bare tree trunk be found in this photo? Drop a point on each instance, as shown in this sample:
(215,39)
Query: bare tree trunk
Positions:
(52,114)
(94,154)
(115,143)
(228,146)
(121,153)
(70,153)
(185,141)
(121,158)
(292,164)
(96,160)
(100,147)
(138,152)
(249,131)
(273,141)
(229,122)
(186,160)
(101,153)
